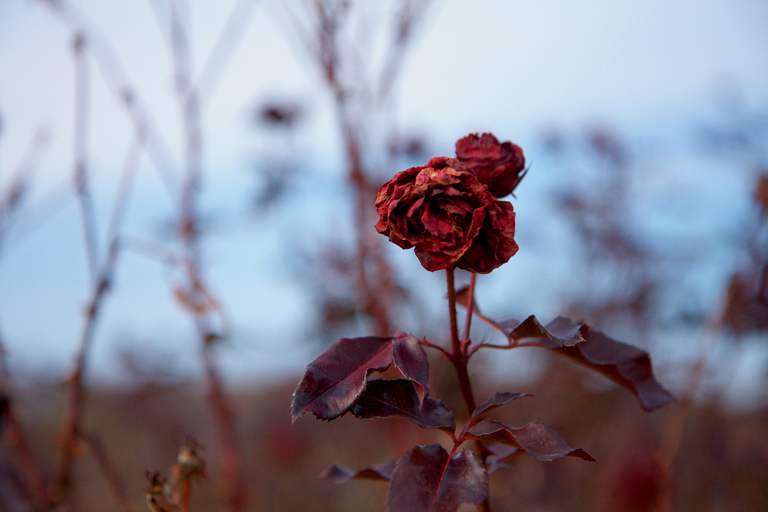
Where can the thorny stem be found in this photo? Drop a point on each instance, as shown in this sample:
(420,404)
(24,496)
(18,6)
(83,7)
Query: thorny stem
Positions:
(460,360)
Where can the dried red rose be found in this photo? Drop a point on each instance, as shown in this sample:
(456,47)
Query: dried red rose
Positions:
(450,218)
(499,166)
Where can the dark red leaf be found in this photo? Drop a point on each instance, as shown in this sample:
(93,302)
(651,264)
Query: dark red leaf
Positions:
(540,441)
(336,378)
(339,475)
(411,359)
(496,401)
(561,330)
(622,363)
(385,398)
(499,456)
(427,479)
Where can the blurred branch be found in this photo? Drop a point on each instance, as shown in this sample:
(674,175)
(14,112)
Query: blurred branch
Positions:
(197,298)
(409,15)
(35,474)
(11,203)
(80,176)
(112,71)
(18,189)
(72,425)
(109,471)
(229,37)
(320,24)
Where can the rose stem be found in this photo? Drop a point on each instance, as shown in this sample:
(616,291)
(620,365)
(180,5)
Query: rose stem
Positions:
(460,361)
(459,356)
(470,307)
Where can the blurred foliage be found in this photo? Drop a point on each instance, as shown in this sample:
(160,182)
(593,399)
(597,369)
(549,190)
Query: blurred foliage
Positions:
(722,463)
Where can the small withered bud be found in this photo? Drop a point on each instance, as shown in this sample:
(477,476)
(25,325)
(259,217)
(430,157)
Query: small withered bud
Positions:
(189,465)
(157,493)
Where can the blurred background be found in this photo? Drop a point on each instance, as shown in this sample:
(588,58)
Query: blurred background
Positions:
(186,220)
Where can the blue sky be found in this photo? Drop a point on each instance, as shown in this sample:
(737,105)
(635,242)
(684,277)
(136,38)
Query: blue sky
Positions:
(652,69)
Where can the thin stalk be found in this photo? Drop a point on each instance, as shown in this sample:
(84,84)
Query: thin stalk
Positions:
(455,346)
(231,478)
(460,360)
(109,470)
(470,307)
(17,438)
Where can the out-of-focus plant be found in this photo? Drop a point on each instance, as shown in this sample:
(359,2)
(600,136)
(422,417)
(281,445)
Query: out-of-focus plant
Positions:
(620,284)
(450,213)
(175,495)
(358,60)
(747,305)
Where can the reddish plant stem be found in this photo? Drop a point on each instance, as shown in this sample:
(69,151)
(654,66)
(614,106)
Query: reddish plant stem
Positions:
(374,281)
(460,361)
(71,431)
(110,472)
(35,476)
(72,427)
(231,479)
(17,438)
(470,307)
(367,246)
(105,58)
(80,177)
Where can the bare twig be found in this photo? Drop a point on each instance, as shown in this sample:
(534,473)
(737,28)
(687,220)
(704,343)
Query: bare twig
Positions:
(34,472)
(108,469)
(230,35)
(17,191)
(112,71)
(408,16)
(80,176)
(231,480)
(11,203)
(72,426)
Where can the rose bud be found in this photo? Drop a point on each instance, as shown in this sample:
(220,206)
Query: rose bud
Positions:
(448,216)
(500,167)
